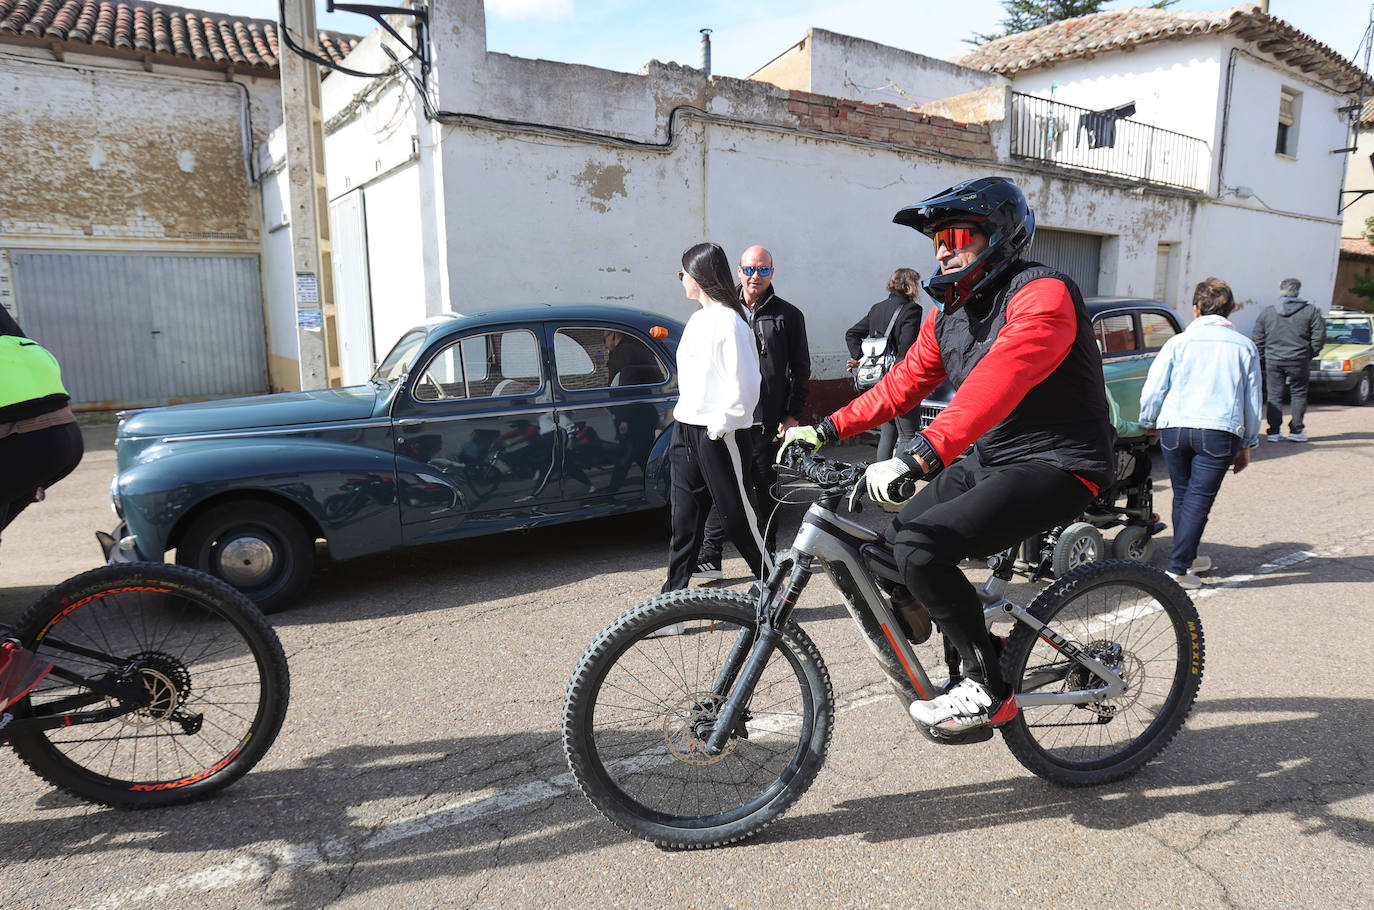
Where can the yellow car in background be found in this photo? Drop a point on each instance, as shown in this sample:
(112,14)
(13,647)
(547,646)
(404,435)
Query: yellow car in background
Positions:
(1346,363)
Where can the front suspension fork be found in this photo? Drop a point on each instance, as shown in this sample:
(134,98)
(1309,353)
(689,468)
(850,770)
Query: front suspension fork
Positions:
(745,665)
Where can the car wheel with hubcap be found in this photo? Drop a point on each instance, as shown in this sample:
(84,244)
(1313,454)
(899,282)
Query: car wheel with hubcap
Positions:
(258,547)
(1359,394)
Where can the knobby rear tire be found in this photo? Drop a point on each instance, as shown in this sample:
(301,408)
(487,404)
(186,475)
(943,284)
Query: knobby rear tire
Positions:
(1098,606)
(207,653)
(631,704)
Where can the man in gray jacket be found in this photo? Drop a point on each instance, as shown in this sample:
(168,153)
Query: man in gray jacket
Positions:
(1288,336)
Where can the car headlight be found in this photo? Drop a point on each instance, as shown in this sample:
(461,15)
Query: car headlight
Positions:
(1335,366)
(116,501)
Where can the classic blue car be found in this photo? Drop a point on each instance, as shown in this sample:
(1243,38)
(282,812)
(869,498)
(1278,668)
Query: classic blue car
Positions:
(472,425)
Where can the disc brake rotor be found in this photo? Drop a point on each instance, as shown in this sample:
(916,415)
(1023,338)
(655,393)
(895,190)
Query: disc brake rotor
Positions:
(168,685)
(1125,663)
(688,725)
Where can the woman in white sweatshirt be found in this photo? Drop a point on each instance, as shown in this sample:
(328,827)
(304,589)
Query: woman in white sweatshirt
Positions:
(718,388)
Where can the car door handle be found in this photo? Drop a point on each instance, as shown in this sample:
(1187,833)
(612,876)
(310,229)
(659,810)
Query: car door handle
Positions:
(410,423)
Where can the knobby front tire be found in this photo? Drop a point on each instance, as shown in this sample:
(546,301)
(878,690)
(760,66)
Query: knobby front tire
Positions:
(215,668)
(635,718)
(1133,618)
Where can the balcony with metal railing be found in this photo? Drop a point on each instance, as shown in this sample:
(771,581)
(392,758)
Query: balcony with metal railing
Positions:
(1106,143)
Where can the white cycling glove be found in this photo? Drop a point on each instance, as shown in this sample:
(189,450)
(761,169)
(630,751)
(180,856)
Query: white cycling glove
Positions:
(892,482)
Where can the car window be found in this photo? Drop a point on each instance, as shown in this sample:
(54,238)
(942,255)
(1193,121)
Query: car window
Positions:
(1347,332)
(496,363)
(598,358)
(1115,335)
(1157,329)
(397,361)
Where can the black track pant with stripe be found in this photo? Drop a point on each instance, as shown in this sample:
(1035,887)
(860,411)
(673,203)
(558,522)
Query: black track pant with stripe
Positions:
(707,471)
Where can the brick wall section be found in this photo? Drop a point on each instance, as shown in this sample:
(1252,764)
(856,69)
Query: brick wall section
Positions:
(891,124)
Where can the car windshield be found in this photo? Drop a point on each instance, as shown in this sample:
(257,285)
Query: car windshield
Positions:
(398,361)
(1349,331)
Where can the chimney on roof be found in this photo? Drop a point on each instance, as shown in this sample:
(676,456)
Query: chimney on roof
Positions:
(706,51)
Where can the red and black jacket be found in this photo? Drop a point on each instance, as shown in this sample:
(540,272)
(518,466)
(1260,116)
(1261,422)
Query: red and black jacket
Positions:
(1027,375)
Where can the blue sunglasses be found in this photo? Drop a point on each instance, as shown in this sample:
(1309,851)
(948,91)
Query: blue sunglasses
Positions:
(763,270)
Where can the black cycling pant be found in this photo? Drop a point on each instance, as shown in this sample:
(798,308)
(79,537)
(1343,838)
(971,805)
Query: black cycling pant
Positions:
(970,510)
(32,460)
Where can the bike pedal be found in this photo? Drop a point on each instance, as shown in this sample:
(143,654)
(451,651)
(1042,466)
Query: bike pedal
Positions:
(962,738)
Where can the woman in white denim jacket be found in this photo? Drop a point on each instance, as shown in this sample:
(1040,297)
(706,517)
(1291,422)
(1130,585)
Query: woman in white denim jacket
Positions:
(1203,395)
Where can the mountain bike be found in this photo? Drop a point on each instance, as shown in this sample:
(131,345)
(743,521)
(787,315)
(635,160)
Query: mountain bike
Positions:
(702,739)
(166,686)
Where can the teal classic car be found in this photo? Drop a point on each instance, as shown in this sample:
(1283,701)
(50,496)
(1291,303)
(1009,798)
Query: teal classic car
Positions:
(1345,365)
(471,425)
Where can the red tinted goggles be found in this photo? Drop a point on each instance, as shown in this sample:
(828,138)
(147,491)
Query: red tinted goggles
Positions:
(952,238)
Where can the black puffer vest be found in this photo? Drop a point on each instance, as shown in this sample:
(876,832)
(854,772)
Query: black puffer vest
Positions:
(1064,420)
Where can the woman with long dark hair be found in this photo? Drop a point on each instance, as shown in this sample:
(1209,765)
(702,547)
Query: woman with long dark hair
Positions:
(718,388)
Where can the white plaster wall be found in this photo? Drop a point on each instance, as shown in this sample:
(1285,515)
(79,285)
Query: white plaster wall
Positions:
(1307,182)
(1224,244)
(848,67)
(278,281)
(394,256)
(1359,175)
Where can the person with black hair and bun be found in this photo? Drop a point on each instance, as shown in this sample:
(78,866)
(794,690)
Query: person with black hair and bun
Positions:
(718,390)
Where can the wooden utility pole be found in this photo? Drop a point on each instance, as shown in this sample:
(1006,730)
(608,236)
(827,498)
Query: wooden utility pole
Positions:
(311,256)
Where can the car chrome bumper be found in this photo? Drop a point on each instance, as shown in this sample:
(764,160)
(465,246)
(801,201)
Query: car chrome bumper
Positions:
(1330,380)
(118,547)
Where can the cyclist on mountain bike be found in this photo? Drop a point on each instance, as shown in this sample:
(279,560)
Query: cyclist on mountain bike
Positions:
(1015,341)
(40,444)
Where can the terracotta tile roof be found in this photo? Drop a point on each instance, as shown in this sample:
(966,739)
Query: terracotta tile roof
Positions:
(154,30)
(1124,29)
(1357,248)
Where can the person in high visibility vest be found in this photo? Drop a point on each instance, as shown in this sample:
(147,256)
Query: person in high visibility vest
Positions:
(40,442)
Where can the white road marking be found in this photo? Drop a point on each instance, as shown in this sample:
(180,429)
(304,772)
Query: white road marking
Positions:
(269,860)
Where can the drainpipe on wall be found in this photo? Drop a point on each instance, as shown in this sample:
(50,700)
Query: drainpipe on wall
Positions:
(706,51)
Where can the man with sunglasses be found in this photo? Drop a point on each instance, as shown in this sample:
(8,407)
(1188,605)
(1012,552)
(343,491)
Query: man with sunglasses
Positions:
(1014,339)
(785,366)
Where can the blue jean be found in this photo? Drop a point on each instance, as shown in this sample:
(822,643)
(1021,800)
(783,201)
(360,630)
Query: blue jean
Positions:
(1198,461)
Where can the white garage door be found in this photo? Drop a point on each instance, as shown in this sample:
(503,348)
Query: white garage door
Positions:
(137,330)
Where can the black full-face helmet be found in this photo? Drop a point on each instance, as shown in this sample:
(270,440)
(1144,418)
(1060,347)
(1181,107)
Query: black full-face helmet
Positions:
(997,208)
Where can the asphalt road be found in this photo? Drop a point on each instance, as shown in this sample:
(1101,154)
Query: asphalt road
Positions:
(421,766)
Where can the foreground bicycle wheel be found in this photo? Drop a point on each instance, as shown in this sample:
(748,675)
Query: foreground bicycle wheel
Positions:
(638,709)
(1133,618)
(214,669)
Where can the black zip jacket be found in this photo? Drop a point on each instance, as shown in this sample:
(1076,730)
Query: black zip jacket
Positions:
(784,359)
(875,323)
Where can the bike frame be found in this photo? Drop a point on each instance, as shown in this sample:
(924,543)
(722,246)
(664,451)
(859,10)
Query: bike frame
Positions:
(853,556)
(126,696)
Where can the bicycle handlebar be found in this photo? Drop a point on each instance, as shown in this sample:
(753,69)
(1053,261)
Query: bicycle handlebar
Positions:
(829,474)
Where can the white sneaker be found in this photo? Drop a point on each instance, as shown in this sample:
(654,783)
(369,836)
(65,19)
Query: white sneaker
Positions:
(1187,581)
(1297,437)
(964,707)
(1275,437)
(1200,565)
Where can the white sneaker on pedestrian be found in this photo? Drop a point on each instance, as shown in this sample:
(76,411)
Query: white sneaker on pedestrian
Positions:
(1187,581)
(1297,437)
(1200,565)
(1275,437)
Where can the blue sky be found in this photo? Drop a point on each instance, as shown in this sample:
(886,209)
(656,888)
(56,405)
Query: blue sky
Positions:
(625,34)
